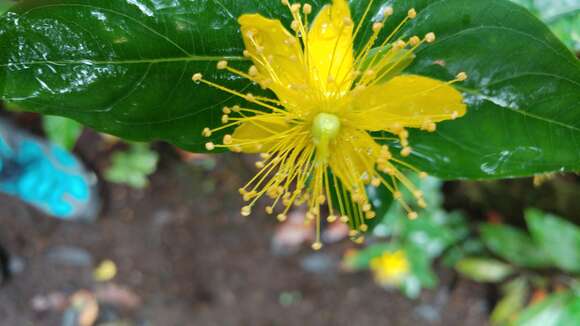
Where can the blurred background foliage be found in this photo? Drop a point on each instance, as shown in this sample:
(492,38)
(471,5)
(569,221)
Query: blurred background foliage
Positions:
(562,16)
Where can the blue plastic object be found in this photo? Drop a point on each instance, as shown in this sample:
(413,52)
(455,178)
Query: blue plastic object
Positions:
(45,176)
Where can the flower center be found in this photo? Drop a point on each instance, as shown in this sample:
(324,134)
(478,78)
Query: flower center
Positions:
(325,127)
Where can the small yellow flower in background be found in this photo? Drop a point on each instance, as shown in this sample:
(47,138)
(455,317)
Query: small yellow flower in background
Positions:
(391,268)
(317,140)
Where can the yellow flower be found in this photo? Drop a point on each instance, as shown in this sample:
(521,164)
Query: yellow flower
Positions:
(318,138)
(391,268)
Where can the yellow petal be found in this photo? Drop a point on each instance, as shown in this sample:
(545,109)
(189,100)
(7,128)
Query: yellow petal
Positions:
(277,55)
(352,156)
(406,101)
(258,134)
(330,49)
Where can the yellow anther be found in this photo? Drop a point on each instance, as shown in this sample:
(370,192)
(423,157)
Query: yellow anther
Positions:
(412,215)
(225,118)
(430,37)
(221,65)
(370,215)
(423,175)
(281,217)
(377,27)
(462,76)
(363,228)
(376,182)
(269,209)
(197,77)
(295,7)
(253,71)
(206,132)
(210,146)
(259,164)
(295,25)
(307,9)
(317,245)
(226,110)
(412,13)
(228,140)
(400,44)
(366,207)
(246,210)
(344,219)
(388,11)
(331,218)
(414,40)
(406,151)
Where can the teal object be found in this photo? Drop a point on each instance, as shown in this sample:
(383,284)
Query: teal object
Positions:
(45,176)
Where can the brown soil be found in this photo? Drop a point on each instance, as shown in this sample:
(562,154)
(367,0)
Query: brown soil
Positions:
(183,248)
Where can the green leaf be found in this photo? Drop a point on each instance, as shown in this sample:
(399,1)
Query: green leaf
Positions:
(563,17)
(125,67)
(484,269)
(420,263)
(561,309)
(514,246)
(62,131)
(514,298)
(133,166)
(559,238)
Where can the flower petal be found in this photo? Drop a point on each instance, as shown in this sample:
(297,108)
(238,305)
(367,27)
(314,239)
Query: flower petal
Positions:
(278,57)
(257,134)
(353,156)
(330,49)
(406,101)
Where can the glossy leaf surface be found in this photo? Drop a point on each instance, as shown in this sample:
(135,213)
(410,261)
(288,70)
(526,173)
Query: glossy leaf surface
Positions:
(125,66)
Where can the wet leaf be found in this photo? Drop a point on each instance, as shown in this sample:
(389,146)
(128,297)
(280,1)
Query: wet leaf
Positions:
(124,67)
(559,238)
(484,269)
(514,245)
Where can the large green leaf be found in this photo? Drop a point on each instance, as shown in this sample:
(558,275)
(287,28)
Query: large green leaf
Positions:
(125,66)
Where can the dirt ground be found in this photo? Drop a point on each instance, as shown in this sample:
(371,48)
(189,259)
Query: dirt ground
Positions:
(185,256)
